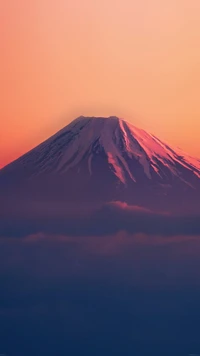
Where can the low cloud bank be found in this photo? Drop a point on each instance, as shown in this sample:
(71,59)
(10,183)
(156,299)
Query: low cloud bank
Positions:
(107,219)
(127,293)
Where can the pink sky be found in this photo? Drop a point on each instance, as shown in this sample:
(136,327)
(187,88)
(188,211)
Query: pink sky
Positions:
(60,59)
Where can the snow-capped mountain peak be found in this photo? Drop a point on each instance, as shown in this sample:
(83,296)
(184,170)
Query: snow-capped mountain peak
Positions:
(121,143)
(101,159)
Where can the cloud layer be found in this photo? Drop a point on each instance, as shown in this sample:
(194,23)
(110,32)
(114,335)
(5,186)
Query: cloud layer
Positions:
(118,294)
(107,219)
(114,279)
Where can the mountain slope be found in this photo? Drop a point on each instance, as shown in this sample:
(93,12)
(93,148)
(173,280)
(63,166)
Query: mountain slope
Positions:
(104,158)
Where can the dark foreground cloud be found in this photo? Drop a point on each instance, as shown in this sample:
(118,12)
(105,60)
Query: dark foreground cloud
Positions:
(121,295)
(109,280)
(107,219)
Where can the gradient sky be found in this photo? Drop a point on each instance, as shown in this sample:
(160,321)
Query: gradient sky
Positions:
(139,60)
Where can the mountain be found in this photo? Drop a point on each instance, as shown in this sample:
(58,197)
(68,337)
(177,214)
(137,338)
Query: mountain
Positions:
(96,159)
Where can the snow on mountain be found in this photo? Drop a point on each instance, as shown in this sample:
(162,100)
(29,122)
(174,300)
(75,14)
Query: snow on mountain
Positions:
(85,138)
(96,155)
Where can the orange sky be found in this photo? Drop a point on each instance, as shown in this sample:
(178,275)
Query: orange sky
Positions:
(139,60)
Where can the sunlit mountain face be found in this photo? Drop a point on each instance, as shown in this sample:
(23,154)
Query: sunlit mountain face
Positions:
(95,160)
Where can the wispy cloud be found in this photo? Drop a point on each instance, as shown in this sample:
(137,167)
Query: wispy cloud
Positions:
(107,219)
